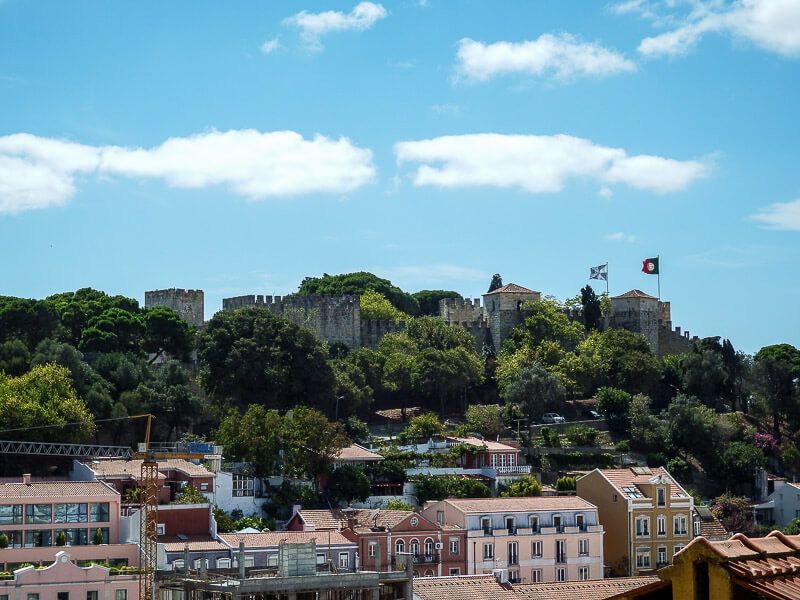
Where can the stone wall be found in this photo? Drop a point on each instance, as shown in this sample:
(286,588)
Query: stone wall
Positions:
(639,315)
(674,341)
(460,311)
(373,330)
(189,304)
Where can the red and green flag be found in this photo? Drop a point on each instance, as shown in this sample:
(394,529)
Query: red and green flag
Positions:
(650,266)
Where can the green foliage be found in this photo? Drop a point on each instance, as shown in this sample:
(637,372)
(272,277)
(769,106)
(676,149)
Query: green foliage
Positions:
(287,495)
(495,284)
(734,513)
(348,483)
(433,333)
(422,427)
(29,321)
(190,495)
(646,430)
(166,332)
(61,538)
(566,483)
(616,358)
(525,486)
(376,306)
(614,405)
(488,420)
(546,321)
(792,528)
(623,446)
(536,391)
(582,435)
(97,538)
(430,487)
(679,468)
(738,464)
(357,430)
(254,436)
(429,300)
(357,284)
(352,392)
(550,437)
(254,522)
(225,524)
(691,428)
(592,312)
(44,396)
(3,540)
(397,504)
(776,373)
(14,357)
(252,356)
(310,442)
(704,375)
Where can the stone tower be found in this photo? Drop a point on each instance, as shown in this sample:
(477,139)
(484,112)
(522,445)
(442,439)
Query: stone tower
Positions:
(503,310)
(189,304)
(638,312)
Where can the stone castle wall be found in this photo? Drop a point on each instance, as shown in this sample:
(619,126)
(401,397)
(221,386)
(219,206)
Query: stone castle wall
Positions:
(373,330)
(456,310)
(189,304)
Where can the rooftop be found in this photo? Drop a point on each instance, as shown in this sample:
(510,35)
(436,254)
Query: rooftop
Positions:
(269,539)
(630,481)
(339,519)
(175,543)
(57,489)
(710,526)
(490,445)
(528,504)
(462,587)
(635,294)
(511,288)
(133,468)
(356,452)
(593,589)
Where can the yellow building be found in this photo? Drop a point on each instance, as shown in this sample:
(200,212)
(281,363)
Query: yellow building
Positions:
(646,514)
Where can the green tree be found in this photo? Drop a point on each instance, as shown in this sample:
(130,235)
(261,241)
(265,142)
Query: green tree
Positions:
(495,284)
(357,430)
(566,484)
(375,306)
(165,332)
(582,435)
(691,428)
(536,391)
(254,356)
(190,495)
(44,396)
(734,513)
(792,528)
(348,483)
(423,427)
(429,300)
(225,524)
(397,504)
(311,442)
(546,321)
(255,437)
(621,359)
(353,393)
(647,431)
(444,374)
(776,372)
(704,375)
(114,330)
(614,405)
(357,284)
(30,321)
(488,420)
(14,357)
(431,332)
(738,463)
(592,313)
(525,486)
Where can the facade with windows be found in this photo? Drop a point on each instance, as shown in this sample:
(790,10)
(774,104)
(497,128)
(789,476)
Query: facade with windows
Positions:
(39,518)
(649,510)
(334,550)
(63,579)
(237,491)
(556,538)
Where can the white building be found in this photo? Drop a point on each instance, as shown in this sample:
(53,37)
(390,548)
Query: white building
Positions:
(782,506)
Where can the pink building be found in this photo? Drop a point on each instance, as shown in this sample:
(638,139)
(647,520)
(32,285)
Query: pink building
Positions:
(35,517)
(64,580)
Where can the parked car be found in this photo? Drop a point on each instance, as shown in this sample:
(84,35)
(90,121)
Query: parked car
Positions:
(593,414)
(553,418)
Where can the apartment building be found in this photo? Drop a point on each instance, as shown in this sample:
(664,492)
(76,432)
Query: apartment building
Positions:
(556,538)
(40,518)
(647,513)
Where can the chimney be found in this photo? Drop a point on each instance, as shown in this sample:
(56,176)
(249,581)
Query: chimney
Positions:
(26,479)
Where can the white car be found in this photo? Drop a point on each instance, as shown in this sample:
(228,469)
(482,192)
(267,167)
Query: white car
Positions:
(553,418)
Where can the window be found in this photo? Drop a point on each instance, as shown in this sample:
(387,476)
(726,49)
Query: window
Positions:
(533,523)
(344,560)
(372,549)
(72,513)
(74,537)
(696,527)
(413,547)
(661,524)
(90,595)
(62,595)
(513,553)
(121,594)
(200,563)
(428,547)
(561,574)
(488,551)
(37,514)
(321,558)
(661,497)
(10,514)
(558,523)
(615,497)
(440,517)
(14,539)
(203,487)
(38,538)
(399,547)
(513,576)
(98,512)
(249,560)
(223,563)
(680,524)
(583,573)
(677,549)
(161,529)
(642,526)
(662,555)
(561,551)
(536,549)
(455,571)
(243,486)
(272,559)
(580,521)
(454,546)
(502,458)
(536,575)
(486,525)
(643,558)
(512,460)
(33,596)
(510,525)
(414,521)
(583,547)
(176,564)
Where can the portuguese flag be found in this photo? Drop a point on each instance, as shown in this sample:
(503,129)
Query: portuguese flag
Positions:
(650,266)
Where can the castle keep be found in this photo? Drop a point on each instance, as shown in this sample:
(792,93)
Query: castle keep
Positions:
(338,320)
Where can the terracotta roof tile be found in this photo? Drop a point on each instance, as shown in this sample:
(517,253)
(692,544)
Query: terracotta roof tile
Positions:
(593,589)
(635,294)
(338,519)
(133,468)
(55,489)
(485,505)
(511,288)
(627,477)
(173,543)
(462,587)
(710,527)
(356,452)
(490,444)
(273,538)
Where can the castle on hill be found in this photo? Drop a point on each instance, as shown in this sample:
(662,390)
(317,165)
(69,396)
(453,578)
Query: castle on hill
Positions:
(490,319)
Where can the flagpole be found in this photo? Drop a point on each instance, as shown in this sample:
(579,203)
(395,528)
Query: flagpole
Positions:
(658,256)
(606,279)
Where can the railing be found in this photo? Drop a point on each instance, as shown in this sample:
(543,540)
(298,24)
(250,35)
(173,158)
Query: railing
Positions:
(513,470)
(418,559)
(487,531)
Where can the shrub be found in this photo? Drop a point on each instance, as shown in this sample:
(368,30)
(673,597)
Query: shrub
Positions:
(527,486)
(550,438)
(656,459)
(679,468)
(398,504)
(582,435)
(566,483)
(614,405)
(623,446)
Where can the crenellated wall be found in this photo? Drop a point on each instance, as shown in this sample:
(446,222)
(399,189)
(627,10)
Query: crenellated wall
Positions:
(460,310)
(189,304)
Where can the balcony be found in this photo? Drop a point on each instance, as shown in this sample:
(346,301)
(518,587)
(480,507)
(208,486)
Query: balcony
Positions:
(513,470)
(418,559)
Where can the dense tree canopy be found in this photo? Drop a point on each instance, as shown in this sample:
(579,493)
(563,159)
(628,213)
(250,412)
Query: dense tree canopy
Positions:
(357,284)
(429,300)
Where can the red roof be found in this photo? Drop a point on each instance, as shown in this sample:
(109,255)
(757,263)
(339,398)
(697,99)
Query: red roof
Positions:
(511,288)
(273,538)
(635,294)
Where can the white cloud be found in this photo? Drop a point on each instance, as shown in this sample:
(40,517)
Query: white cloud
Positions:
(453,110)
(270,46)
(36,172)
(563,56)
(605,192)
(781,215)
(773,25)
(313,26)
(619,236)
(538,163)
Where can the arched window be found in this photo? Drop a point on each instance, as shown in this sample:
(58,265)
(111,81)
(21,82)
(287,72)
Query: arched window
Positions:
(400,546)
(428,573)
(223,563)
(413,547)
(428,546)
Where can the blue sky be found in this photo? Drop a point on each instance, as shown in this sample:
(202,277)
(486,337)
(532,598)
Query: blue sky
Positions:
(238,147)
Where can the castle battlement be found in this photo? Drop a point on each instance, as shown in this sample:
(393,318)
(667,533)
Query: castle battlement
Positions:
(461,303)
(188,303)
